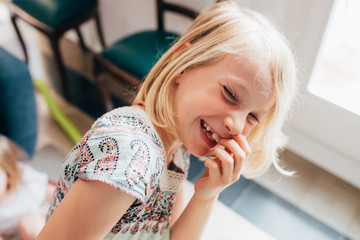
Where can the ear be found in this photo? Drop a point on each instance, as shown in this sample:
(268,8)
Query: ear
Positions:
(177,52)
(177,79)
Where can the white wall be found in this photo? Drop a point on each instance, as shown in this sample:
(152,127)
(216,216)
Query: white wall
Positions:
(123,17)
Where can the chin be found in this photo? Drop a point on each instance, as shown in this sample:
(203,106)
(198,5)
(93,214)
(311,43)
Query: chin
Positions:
(196,147)
(197,152)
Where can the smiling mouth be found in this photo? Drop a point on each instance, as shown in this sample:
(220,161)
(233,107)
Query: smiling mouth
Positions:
(208,132)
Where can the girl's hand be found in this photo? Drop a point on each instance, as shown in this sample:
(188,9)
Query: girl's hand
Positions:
(223,167)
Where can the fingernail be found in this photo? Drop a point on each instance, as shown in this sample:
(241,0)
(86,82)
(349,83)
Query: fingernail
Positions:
(202,159)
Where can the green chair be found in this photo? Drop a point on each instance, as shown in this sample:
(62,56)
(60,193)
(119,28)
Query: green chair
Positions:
(130,59)
(54,18)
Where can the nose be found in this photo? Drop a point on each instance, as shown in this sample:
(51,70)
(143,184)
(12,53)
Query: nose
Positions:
(235,124)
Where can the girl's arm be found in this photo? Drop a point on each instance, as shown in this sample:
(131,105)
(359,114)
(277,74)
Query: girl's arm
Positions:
(192,221)
(223,169)
(178,207)
(89,210)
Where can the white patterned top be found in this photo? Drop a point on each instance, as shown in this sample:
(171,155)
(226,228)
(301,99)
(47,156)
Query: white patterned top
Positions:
(123,149)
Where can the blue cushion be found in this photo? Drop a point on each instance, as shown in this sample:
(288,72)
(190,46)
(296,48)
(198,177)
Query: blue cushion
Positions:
(137,53)
(55,12)
(18,119)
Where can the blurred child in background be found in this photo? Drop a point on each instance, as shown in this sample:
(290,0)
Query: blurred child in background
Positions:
(24,193)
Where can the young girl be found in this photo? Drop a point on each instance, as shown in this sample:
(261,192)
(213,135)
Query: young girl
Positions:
(223,89)
(23,194)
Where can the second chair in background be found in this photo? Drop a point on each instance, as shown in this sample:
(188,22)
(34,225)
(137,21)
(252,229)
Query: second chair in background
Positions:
(131,58)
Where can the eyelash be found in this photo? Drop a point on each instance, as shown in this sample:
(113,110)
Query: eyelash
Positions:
(230,93)
(234,100)
(254,116)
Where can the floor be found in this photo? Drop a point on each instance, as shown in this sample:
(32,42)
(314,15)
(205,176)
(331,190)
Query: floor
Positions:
(312,205)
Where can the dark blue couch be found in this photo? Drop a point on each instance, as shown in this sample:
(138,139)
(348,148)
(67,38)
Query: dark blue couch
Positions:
(18,118)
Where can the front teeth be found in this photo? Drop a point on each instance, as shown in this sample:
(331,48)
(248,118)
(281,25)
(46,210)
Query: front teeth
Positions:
(215,137)
(209,132)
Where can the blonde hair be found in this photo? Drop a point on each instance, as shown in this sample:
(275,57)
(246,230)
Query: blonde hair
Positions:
(221,30)
(10,154)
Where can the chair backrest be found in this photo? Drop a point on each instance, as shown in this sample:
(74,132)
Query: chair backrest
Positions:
(163,6)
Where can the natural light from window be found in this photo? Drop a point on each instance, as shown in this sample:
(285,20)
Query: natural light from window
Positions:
(336,77)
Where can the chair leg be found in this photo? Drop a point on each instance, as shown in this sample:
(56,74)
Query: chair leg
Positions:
(99,29)
(54,41)
(105,94)
(100,79)
(13,20)
(81,40)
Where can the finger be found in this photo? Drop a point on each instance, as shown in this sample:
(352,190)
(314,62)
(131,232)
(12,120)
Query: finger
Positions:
(238,154)
(213,168)
(227,162)
(241,140)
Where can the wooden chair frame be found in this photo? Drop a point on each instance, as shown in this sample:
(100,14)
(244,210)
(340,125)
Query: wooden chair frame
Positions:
(54,35)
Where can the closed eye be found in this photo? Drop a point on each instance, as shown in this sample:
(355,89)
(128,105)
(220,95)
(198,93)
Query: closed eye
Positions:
(230,94)
(254,117)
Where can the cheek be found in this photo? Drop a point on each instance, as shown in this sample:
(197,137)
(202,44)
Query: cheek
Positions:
(246,132)
(191,102)
(214,100)
(252,128)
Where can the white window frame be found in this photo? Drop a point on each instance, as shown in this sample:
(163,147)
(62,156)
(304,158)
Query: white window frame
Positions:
(320,131)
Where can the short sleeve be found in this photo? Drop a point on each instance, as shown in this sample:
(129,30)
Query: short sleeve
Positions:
(120,154)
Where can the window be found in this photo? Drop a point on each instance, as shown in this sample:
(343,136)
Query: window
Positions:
(326,127)
(337,75)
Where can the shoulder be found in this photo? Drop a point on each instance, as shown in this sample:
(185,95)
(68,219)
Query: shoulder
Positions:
(123,149)
(131,117)
(123,131)
(127,121)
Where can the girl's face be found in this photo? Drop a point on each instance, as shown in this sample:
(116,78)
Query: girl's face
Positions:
(220,100)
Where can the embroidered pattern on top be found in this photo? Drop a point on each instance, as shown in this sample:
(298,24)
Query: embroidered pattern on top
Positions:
(150,216)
